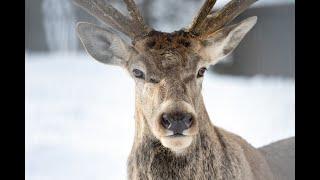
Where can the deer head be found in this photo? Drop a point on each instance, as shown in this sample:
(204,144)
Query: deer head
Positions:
(168,68)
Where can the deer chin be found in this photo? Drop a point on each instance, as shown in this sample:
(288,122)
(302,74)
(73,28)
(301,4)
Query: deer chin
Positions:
(177,144)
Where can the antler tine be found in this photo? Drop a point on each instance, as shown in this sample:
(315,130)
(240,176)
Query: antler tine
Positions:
(136,16)
(203,13)
(230,11)
(109,15)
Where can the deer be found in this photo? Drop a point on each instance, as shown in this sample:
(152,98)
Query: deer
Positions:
(174,137)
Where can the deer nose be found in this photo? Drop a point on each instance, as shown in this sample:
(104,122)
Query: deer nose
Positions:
(177,122)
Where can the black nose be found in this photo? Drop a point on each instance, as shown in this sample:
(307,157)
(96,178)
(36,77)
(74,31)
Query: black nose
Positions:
(176,122)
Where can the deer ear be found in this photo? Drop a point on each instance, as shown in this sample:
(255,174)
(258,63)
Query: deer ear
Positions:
(104,45)
(224,41)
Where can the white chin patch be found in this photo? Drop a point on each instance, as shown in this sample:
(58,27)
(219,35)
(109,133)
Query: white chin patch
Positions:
(176,144)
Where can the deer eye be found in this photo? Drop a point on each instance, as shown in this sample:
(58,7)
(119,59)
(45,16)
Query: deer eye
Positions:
(138,74)
(201,72)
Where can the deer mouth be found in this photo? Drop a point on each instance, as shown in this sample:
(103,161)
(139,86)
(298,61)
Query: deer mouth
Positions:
(176,135)
(177,142)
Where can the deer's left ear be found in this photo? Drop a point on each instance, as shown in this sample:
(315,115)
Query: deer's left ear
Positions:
(224,41)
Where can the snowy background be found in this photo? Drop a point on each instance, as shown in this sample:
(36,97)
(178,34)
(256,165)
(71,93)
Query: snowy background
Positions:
(79,113)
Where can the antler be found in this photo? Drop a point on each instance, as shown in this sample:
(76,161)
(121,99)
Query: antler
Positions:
(135,14)
(202,15)
(108,14)
(215,21)
(203,25)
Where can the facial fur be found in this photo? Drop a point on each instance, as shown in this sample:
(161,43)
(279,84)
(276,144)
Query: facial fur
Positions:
(169,84)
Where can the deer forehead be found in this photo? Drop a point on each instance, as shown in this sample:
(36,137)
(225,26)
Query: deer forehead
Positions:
(161,41)
(169,51)
(166,63)
(171,59)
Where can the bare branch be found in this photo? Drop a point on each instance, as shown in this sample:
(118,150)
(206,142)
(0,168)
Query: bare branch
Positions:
(203,13)
(220,18)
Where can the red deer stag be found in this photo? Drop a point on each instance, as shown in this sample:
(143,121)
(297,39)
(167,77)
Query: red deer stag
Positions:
(174,137)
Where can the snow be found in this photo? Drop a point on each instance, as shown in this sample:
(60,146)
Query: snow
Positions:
(79,115)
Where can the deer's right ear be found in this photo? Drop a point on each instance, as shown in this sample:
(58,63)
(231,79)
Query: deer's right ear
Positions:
(104,45)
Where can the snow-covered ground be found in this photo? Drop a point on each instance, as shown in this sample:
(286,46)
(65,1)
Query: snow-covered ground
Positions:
(79,115)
